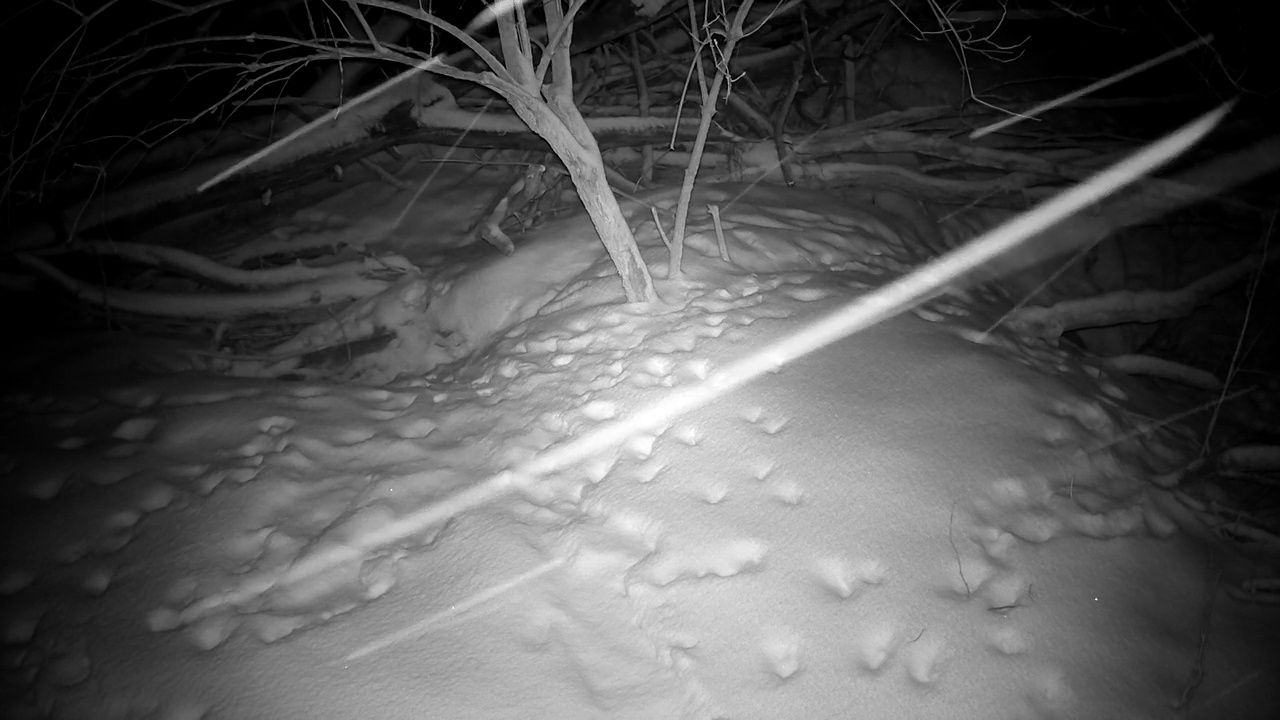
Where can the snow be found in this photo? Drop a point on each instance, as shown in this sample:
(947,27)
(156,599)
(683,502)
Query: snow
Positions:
(924,520)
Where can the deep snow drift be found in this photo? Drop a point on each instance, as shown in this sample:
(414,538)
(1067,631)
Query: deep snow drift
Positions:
(922,521)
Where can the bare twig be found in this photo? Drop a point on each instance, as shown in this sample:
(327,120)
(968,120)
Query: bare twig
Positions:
(1197,664)
(733,33)
(1092,87)
(720,241)
(951,538)
(1234,367)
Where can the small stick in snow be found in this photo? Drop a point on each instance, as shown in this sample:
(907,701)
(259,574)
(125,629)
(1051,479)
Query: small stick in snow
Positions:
(715,220)
(657,222)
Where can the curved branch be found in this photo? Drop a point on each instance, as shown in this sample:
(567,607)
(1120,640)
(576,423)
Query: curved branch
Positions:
(492,62)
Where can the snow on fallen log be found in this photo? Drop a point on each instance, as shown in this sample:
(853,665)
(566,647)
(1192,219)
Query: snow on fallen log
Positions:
(212,270)
(207,306)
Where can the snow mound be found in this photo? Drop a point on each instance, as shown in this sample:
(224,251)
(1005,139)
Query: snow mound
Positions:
(925,520)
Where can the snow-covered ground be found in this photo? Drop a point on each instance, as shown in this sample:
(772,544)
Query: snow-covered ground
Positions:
(921,521)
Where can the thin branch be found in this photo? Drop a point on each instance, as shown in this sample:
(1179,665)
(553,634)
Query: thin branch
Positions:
(562,29)
(1092,87)
(368,31)
(485,56)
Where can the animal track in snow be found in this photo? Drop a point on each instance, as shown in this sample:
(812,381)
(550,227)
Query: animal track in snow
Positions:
(769,423)
(600,410)
(874,644)
(762,469)
(414,428)
(848,578)
(640,446)
(211,632)
(134,429)
(926,658)
(787,492)
(1004,591)
(713,494)
(722,561)
(1008,640)
(96,580)
(14,579)
(781,650)
(687,433)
